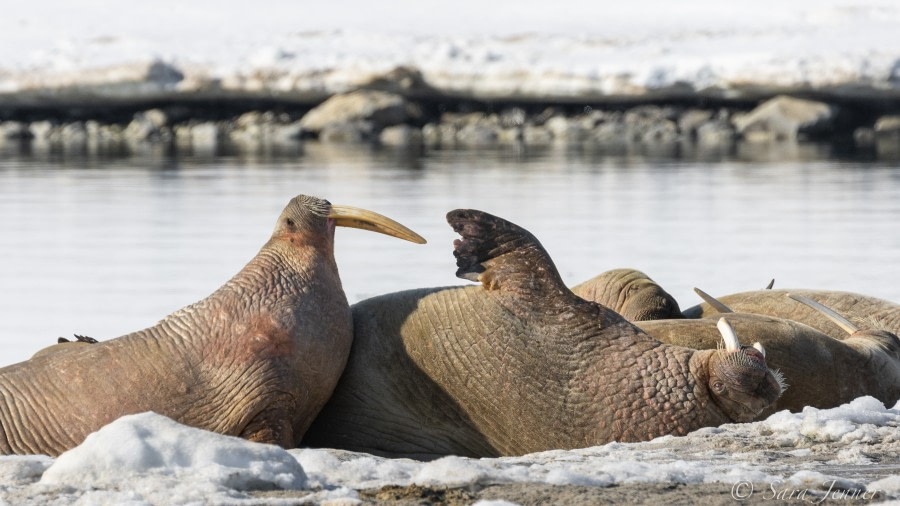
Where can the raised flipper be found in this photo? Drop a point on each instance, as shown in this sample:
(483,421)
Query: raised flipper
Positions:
(500,254)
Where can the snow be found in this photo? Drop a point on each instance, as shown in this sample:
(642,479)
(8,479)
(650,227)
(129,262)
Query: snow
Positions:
(149,459)
(504,48)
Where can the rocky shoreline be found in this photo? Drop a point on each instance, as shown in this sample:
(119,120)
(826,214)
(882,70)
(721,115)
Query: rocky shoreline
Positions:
(414,119)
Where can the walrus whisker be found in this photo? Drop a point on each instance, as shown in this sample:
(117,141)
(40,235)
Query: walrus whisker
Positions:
(709,299)
(731,340)
(838,320)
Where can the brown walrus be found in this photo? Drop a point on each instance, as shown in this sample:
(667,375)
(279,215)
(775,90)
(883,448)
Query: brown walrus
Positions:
(865,311)
(822,370)
(256,359)
(521,364)
(631,293)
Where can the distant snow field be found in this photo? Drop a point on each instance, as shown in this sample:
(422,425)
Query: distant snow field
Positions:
(499,49)
(149,459)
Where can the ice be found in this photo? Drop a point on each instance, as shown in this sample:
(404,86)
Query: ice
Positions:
(150,459)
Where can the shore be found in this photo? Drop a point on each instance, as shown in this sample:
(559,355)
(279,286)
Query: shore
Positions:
(380,114)
(96,78)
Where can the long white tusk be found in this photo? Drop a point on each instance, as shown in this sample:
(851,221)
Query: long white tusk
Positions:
(759,347)
(838,320)
(712,301)
(731,340)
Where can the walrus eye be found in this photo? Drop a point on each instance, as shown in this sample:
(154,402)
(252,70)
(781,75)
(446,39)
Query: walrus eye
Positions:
(290,222)
(718,386)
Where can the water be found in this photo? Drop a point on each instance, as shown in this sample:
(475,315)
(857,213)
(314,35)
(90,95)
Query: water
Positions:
(102,246)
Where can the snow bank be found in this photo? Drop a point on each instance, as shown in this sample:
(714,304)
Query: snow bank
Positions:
(147,458)
(496,49)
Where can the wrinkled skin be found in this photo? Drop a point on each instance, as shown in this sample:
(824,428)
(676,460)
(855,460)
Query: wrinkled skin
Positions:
(520,364)
(866,312)
(631,293)
(821,371)
(256,359)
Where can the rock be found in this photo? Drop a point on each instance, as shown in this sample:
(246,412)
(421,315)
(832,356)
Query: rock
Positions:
(357,131)
(510,135)
(565,130)
(478,134)
(716,131)
(439,134)
(14,130)
(610,131)
(401,135)
(864,137)
(41,131)
(651,124)
(536,135)
(887,126)
(148,126)
(513,117)
(380,109)
(204,136)
(691,120)
(74,135)
(256,128)
(785,118)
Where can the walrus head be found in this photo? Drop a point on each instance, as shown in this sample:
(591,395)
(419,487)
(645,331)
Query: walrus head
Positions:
(314,217)
(740,381)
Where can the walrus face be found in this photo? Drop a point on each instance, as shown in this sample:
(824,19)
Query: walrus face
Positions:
(739,379)
(646,300)
(315,217)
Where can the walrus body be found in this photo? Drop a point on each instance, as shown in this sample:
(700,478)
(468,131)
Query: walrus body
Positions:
(869,312)
(256,359)
(631,293)
(521,364)
(823,365)
(819,370)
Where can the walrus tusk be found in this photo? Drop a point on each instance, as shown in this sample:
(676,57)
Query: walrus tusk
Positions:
(731,340)
(709,299)
(838,320)
(759,348)
(354,217)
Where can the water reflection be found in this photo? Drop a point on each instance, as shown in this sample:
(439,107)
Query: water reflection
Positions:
(103,245)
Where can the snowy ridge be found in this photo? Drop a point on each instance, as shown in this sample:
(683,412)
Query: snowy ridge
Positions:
(582,50)
(147,458)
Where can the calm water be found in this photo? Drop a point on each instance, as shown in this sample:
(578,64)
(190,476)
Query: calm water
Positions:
(104,246)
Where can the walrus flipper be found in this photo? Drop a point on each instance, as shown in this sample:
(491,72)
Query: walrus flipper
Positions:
(501,255)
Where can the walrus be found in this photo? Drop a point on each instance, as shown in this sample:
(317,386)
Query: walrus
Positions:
(631,293)
(823,371)
(64,344)
(521,364)
(870,312)
(257,359)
